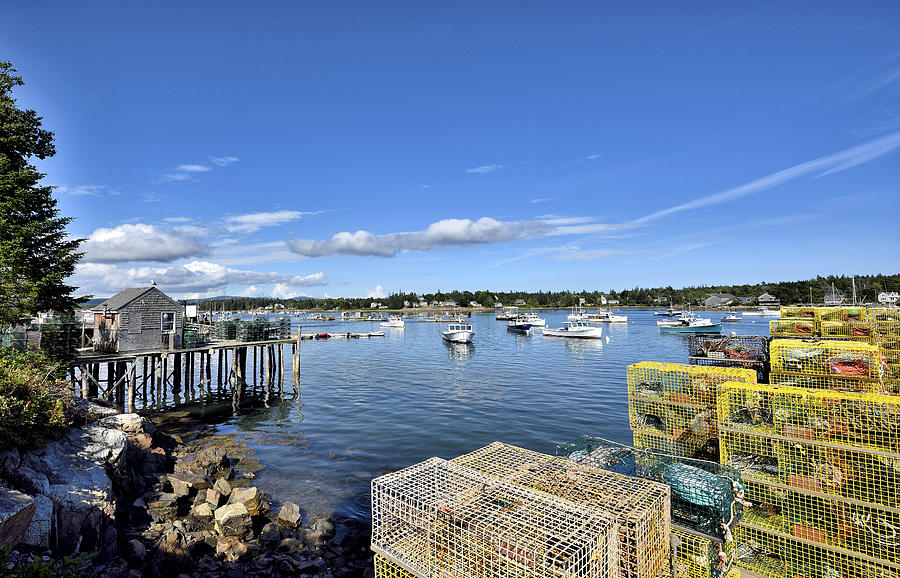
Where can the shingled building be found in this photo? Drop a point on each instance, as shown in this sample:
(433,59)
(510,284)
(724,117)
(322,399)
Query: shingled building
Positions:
(138,319)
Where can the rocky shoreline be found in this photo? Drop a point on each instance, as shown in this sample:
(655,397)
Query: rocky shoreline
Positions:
(148,503)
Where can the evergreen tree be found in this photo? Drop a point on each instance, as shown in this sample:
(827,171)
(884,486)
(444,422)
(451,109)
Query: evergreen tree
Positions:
(36,253)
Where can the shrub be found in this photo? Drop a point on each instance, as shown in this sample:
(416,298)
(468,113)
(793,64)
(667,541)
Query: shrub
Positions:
(34,402)
(66,567)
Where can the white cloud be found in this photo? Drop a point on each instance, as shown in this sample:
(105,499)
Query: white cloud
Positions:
(445,233)
(88,190)
(554,219)
(194,277)
(542,200)
(194,168)
(484,169)
(376,293)
(252,222)
(178,219)
(176,177)
(139,242)
(821,166)
(251,291)
(284,291)
(223,161)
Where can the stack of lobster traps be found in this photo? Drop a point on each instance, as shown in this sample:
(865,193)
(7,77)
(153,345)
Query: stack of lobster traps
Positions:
(826,364)
(822,471)
(887,329)
(672,407)
(745,351)
(505,511)
(707,501)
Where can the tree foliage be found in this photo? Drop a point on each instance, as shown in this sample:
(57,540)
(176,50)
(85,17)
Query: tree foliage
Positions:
(867,286)
(36,253)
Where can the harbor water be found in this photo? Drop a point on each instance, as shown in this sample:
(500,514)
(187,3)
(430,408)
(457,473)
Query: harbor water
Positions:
(370,406)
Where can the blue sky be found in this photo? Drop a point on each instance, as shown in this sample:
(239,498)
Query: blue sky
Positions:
(358,148)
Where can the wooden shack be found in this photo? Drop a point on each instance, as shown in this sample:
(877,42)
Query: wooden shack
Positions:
(138,319)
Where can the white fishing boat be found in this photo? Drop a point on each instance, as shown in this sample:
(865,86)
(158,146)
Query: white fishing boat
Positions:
(576,329)
(508,313)
(393,322)
(606,316)
(731,317)
(762,312)
(577,314)
(533,318)
(458,333)
(689,323)
(669,312)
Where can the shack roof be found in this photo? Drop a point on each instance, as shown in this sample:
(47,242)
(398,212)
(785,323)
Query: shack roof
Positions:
(126,296)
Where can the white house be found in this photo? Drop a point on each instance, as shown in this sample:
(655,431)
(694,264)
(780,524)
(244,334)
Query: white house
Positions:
(888,297)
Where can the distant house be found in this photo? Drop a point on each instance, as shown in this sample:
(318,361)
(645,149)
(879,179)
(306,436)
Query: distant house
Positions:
(474,304)
(745,300)
(498,305)
(520,302)
(612,301)
(447,304)
(138,319)
(888,298)
(719,300)
(767,300)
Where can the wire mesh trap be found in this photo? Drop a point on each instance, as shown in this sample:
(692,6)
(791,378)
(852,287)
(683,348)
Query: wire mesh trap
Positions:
(438,518)
(640,507)
(825,358)
(695,556)
(706,497)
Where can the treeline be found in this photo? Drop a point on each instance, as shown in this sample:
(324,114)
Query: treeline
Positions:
(788,292)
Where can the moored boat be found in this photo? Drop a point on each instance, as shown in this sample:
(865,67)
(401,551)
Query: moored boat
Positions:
(731,317)
(580,329)
(394,322)
(458,333)
(606,316)
(689,323)
(519,325)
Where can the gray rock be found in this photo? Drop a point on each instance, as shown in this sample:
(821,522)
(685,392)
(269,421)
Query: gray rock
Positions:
(92,411)
(9,460)
(185,484)
(234,520)
(324,525)
(289,515)
(213,496)
(129,423)
(223,487)
(38,532)
(16,512)
(78,469)
(201,517)
(136,551)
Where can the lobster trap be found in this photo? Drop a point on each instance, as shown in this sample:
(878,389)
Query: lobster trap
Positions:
(864,331)
(743,351)
(793,327)
(798,312)
(678,383)
(686,445)
(851,384)
(851,314)
(825,358)
(695,556)
(839,445)
(884,314)
(640,507)
(706,497)
(761,552)
(438,518)
(385,568)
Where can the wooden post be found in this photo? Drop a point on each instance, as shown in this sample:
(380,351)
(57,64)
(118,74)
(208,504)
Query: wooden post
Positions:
(121,373)
(219,368)
(208,370)
(92,384)
(176,372)
(131,388)
(256,371)
(295,378)
(84,381)
(110,378)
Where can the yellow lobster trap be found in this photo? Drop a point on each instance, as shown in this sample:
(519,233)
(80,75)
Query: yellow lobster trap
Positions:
(437,518)
(825,358)
(852,384)
(641,508)
(793,327)
(864,331)
(679,383)
(796,312)
(841,314)
(814,441)
(696,556)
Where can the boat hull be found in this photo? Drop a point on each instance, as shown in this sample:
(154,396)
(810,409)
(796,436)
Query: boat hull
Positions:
(714,328)
(457,336)
(595,333)
(522,328)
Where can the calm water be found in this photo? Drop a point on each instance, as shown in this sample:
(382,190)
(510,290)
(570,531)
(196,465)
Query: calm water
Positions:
(368,406)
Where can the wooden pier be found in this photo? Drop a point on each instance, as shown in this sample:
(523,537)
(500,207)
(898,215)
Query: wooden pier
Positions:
(117,377)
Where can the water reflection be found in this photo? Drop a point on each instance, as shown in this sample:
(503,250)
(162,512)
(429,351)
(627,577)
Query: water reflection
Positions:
(460,352)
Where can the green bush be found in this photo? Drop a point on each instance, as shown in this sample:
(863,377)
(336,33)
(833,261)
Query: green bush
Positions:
(34,402)
(65,567)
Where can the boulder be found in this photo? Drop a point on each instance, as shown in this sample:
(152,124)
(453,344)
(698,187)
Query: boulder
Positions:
(234,520)
(135,551)
(254,500)
(201,517)
(213,496)
(187,484)
(91,412)
(324,525)
(9,460)
(289,515)
(78,469)
(38,532)
(16,512)
(231,548)
(128,423)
